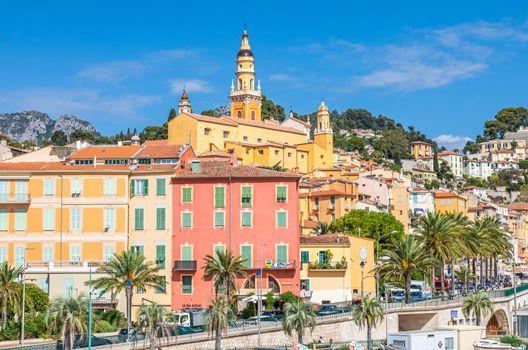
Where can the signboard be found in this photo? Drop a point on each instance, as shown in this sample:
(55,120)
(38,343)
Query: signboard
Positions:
(454,314)
(268,263)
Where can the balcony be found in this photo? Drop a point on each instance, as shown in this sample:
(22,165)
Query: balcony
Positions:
(184,265)
(63,266)
(18,198)
(336,266)
(331,206)
(270,265)
(306,294)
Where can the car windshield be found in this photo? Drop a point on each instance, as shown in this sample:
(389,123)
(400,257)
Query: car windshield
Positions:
(398,293)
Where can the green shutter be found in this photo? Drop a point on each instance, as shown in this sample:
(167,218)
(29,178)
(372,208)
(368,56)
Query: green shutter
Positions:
(246,255)
(186,252)
(186,194)
(305,256)
(246,219)
(246,197)
(282,254)
(160,256)
(219,197)
(138,219)
(186,219)
(163,288)
(281,219)
(132,187)
(160,187)
(281,194)
(219,219)
(186,284)
(145,187)
(160,218)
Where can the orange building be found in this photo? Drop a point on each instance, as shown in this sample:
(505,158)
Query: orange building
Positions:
(450,202)
(421,149)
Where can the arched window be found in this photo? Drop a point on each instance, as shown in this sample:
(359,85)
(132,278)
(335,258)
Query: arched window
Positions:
(252,115)
(239,84)
(251,84)
(250,283)
(239,114)
(273,284)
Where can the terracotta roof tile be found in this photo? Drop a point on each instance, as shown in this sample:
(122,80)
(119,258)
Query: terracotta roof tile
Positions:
(106,152)
(217,120)
(156,151)
(309,224)
(218,168)
(220,154)
(420,143)
(271,126)
(448,154)
(56,166)
(325,239)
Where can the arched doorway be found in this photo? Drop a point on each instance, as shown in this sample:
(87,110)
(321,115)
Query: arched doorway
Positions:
(498,324)
(273,285)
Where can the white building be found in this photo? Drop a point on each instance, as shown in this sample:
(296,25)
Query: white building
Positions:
(454,160)
(421,201)
(504,165)
(503,155)
(478,168)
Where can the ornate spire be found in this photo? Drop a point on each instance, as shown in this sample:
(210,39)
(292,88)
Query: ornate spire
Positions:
(184,106)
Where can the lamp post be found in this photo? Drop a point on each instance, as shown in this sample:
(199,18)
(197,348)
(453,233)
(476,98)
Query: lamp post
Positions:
(362,264)
(377,258)
(514,279)
(129,310)
(22,326)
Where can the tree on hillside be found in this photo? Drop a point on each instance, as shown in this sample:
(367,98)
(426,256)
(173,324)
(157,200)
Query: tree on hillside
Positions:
(471,147)
(271,110)
(154,132)
(210,112)
(350,143)
(370,224)
(393,144)
(172,115)
(82,135)
(59,138)
(507,119)
(444,173)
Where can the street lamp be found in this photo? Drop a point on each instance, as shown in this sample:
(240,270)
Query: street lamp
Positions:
(22,326)
(377,258)
(362,264)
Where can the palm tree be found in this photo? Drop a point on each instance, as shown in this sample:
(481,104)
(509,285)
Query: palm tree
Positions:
(461,222)
(224,268)
(9,277)
(479,304)
(438,233)
(368,314)
(405,257)
(497,241)
(297,316)
(126,271)
(217,317)
(464,274)
(70,317)
(151,319)
(322,228)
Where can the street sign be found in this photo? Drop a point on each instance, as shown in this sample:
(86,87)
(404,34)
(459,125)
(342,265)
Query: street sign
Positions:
(257,273)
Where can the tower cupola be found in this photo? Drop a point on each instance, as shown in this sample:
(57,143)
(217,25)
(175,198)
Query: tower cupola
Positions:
(184,106)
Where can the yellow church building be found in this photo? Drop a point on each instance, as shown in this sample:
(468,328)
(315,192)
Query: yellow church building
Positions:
(244,133)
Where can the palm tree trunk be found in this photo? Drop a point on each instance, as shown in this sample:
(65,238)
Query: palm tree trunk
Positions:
(452,276)
(300,337)
(407,288)
(495,268)
(486,270)
(442,266)
(481,271)
(218,338)
(369,338)
(433,289)
(474,263)
(4,312)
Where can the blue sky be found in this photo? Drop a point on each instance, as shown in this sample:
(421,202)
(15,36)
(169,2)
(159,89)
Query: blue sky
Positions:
(442,66)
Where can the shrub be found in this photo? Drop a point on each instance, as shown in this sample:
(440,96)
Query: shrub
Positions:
(102,326)
(512,340)
(270,301)
(114,317)
(249,311)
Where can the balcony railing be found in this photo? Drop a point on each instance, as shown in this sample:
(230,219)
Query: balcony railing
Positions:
(69,265)
(270,265)
(307,294)
(328,266)
(15,198)
(184,265)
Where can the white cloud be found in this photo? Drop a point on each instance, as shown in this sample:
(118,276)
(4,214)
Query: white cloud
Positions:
(452,141)
(191,85)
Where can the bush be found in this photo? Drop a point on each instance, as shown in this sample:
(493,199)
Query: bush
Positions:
(36,326)
(512,340)
(249,311)
(11,331)
(102,326)
(287,297)
(113,316)
(270,301)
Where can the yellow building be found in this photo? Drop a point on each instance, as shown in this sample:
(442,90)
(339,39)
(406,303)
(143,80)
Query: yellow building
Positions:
(244,133)
(336,268)
(449,202)
(421,149)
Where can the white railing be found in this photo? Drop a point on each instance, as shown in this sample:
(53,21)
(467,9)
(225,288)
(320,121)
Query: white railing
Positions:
(63,265)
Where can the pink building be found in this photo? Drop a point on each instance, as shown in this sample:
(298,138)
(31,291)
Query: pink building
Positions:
(251,211)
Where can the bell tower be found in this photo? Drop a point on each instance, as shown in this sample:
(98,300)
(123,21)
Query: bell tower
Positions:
(184,106)
(323,133)
(245,97)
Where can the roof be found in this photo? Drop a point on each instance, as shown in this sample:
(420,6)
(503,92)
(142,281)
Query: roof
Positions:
(217,120)
(271,126)
(56,166)
(218,168)
(309,224)
(105,152)
(328,193)
(158,150)
(503,151)
(518,206)
(422,170)
(156,142)
(298,120)
(421,143)
(446,195)
(441,154)
(325,239)
(220,154)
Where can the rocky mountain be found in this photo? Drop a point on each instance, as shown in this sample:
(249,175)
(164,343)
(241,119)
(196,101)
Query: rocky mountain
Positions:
(35,125)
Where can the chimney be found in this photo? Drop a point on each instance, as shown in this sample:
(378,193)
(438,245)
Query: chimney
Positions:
(233,159)
(95,161)
(120,143)
(78,144)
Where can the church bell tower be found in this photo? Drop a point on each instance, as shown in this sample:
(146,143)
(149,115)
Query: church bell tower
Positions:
(245,97)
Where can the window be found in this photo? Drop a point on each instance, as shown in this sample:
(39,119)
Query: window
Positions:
(206,131)
(449,343)
(260,151)
(186,252)
(247,196)
(138,249)
(302,156)
(160,256)
(68,287)
(245,252)
(276,152)
(245,138)
(108,252)
(163,288)
(4,189)
(19,256)
(49,187)
(47,254)
(282,253)
(109,219)
(21,190)
(304,284)
(239,114)
(187,286)
(3,254)
(186,195)
(259,140)
(248,151)
(289,154)
(247,218)
(186,219)
(323,257)
(305,256)
(139,217)
(219,192)
(160,187)
(139,187)
(75,253)
(400,343)
(226,134)
(49,219)
(110,187)
(3,220)
(252,112)
(44,284)
(76,186)
(282,219)
(140,290)
(219,219)
(75,218)
(160,218)
(281,194)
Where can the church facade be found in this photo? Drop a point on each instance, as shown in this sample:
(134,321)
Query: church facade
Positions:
(244,133)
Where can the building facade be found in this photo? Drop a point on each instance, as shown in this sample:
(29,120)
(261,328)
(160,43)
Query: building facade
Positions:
(421,149)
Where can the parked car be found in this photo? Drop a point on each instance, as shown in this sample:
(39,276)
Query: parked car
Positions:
(277,313)
(122,336)
(330,309)
(264,321)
